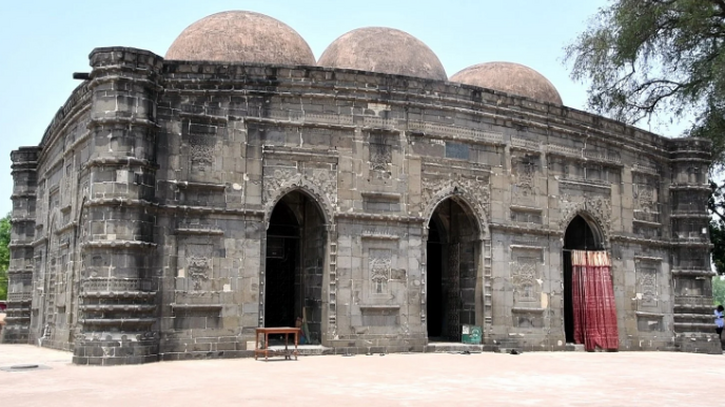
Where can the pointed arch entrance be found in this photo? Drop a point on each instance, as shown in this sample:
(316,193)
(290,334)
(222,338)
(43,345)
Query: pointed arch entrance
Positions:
(578,236)
(296,242)
(589,306)
(452,268)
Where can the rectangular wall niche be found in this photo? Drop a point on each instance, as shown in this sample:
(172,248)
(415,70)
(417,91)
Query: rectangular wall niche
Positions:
(378,202)
(380,315)
(526,279)
(457,150)
(647,272)
(527,319)
(649,323)
(690,287)
(526,215)
(195,264)
(201,147)
(379,270)
(201,137)
(380,158)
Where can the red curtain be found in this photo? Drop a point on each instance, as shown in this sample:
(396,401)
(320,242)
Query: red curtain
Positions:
(595,312)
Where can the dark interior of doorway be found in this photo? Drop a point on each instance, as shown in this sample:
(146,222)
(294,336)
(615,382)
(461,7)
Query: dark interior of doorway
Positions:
(282,275)
(578,236)
(294,264)
(451,271)
(435,283)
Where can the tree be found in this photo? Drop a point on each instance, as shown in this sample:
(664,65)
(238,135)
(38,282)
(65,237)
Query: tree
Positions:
(644,57)
(718,290)
(717,227)
(4,255)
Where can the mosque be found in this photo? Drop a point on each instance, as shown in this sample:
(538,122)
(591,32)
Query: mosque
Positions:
(177,203)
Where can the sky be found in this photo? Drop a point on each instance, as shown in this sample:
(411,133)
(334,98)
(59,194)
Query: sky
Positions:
(43,42)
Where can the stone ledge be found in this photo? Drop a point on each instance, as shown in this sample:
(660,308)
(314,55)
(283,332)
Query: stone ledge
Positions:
(538,310)
(197,307)
(375,307)
(116,244)
(192,231)
(141,308)
(118,294)
(117,321)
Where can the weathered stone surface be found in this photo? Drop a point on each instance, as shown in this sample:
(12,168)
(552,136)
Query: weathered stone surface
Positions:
(210,199)
(384,50)
(511,78)
(241,37)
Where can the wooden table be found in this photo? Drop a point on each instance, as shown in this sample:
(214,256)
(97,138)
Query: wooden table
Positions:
(264,348)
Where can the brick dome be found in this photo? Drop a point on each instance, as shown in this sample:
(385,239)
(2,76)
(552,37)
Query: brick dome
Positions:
(384,50)
(243,37)
(510,78)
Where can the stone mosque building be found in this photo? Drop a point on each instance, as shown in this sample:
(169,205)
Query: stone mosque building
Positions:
(177,203)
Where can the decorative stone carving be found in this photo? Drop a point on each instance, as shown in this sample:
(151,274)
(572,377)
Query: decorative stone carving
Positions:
(645,198)
(525,276)
(380,265)
(159,211)
(320,184)
(110,284)
(201,152)
(381,157)
(198,268)
(524,188)
(647,285)
(474,191)
(326,180)
(599,209)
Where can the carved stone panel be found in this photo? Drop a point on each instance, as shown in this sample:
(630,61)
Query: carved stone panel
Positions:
(599,208)
(381,157)
(525,277)
(475,191)
(647,272)
(383,281)
(524,188)
(201,139)
(195,265)
(201,152)
(319,179)
(199,269)
(646,198)
(379,268)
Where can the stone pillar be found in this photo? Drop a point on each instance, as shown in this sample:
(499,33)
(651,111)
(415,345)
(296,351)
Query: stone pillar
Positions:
(20,271)
(691,272)
(118,288)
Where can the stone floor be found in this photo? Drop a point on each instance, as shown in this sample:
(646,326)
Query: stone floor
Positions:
(421,379)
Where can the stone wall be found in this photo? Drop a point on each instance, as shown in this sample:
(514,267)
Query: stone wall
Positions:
(187,162)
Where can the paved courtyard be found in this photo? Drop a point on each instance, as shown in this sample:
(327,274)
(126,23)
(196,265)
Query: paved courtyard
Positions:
(530,379)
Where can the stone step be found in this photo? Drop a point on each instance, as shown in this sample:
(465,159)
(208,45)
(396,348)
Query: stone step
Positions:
(575,347)
(306,350)
(453,347)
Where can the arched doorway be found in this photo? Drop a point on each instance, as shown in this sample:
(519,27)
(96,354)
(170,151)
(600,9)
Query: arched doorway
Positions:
(579,235)
(296,241)
(452,269)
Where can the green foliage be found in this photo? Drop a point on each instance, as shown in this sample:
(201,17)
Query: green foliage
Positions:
(4,255)
(717,237)
(718,291)
(643,57)
(648,57)
(717,227)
